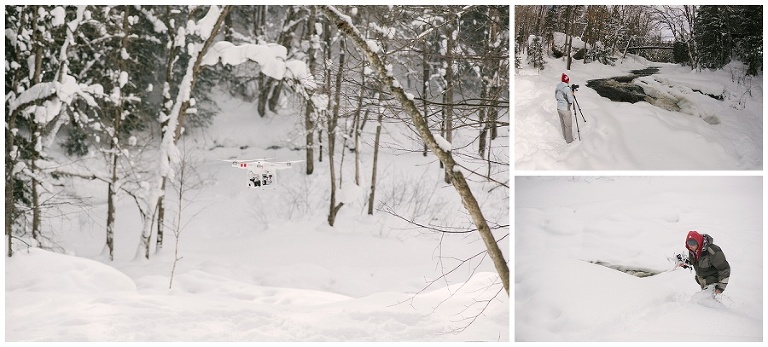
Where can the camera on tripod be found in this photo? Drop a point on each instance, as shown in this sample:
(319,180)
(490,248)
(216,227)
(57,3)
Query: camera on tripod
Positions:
(574,87)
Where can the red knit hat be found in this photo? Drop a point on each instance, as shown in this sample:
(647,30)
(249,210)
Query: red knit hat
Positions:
(564,78)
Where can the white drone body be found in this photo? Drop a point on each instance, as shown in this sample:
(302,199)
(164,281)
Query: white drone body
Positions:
(260,173)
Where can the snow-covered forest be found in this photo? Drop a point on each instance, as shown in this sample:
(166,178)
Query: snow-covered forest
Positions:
(125,220)
(657,87)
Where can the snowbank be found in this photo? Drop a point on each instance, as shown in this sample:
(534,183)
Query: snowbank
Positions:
(37,270)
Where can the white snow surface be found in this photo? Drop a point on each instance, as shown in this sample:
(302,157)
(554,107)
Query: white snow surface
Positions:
(270,57)
(563,223)
(263,265)
(706,134)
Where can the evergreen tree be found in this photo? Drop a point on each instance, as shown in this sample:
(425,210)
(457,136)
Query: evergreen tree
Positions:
(724,33)
(680,53)
(749,36)
(536,53)
(550,23)
(713,37)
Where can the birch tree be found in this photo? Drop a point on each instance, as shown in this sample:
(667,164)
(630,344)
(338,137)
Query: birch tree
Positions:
(448,50)
(332,129)
(313,43)
(205,29)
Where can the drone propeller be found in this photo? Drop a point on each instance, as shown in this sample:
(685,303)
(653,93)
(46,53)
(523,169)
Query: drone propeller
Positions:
(245,160)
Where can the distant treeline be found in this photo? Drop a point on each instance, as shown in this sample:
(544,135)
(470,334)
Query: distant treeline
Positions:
(702,36)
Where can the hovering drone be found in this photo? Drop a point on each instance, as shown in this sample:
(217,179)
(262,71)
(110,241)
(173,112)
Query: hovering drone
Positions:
(260,172)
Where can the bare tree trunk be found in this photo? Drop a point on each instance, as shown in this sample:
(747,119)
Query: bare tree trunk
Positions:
(496,71)
(261,33)
(10,162)
(36,209)
(35,135)
(274,99)
(448,126)
(356,123)
(425,84)
(332,124)
(355,128)
(111,214)
(457,177)
(379,119)
(327,40)
(228,27)
(569,38)
(260,21)
(485,69)
(160,218)
(693,50)
(264,89)
(481,117)
(111,210)
(309,124)
(320,144)
(114,151)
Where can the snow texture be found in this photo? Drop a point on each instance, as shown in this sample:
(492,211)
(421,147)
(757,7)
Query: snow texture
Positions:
(564,223)
(270,57)
(442,142)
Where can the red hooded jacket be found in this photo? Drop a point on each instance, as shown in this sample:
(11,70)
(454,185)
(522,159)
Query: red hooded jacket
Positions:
(699,240)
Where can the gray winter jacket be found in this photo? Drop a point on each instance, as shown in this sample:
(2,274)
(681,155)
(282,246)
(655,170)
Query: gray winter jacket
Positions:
(711,267)
(564,96)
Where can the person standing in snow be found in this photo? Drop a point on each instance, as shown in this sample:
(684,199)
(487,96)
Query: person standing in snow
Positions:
(564,97)
(708,261)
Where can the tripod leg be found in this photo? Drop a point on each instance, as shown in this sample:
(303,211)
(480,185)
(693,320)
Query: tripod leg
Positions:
(576,118)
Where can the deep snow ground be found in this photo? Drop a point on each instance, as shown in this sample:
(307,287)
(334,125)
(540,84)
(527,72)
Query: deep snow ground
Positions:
(264,265)
(706,134)
(563,223)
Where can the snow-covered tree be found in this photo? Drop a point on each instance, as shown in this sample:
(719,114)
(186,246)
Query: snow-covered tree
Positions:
(273,90)
(116,46)
(42,94)
(536,53)
(436,144)
(729,32)
(713,36)
(195,38)
(680,21)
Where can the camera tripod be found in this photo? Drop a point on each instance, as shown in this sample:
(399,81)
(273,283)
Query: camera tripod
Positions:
(578,131)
